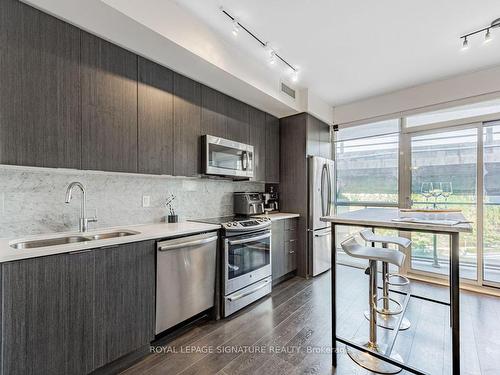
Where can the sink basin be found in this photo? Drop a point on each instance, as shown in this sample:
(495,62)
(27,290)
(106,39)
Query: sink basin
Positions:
(48,242)
(33,244)
(103,236)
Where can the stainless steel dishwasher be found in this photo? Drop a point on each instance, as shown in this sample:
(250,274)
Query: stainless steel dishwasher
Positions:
(185,278)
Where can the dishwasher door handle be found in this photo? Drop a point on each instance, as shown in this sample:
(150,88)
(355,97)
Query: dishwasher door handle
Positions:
(239,296)
(187,244)
(246,240)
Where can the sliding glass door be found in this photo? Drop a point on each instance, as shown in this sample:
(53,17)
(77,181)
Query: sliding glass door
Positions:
(443,168)
(445,165)
(491,205)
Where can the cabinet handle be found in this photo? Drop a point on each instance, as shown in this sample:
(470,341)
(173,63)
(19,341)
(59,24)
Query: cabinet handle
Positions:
(291,252)
(292,240)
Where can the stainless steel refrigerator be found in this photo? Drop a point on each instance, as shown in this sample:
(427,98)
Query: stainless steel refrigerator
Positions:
(321,197)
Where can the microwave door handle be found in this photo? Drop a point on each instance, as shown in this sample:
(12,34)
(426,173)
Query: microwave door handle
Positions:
(244,160)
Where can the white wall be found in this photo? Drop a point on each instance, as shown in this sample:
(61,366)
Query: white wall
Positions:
(467,86)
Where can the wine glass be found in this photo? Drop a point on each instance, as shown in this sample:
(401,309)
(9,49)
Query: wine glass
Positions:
(426,190)
(437,191)
(447,191)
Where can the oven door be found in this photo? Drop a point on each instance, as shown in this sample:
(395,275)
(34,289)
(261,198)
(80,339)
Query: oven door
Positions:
(227,158)
(247,259)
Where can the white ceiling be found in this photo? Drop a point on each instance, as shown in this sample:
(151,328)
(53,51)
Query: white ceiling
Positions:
(349,50)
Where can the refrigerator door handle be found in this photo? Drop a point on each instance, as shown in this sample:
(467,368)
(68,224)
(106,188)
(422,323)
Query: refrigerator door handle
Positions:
(329,210)
(324,171)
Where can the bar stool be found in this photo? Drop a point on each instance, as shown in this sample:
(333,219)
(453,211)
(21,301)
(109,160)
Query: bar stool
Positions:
(388,319)
(374,254)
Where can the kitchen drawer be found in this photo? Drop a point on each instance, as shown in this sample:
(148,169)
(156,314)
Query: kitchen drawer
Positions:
(291,235)
(291,224)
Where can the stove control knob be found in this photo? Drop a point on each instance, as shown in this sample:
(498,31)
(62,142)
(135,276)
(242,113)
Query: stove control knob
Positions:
(234,223)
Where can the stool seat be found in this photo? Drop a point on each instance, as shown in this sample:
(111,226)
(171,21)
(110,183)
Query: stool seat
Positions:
(369,236)
(354,249)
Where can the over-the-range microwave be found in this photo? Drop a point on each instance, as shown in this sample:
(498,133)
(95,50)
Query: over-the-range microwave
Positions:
(222,157)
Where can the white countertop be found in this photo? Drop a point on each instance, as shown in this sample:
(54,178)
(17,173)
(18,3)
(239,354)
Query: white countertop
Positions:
(383,217)
(146,232)
(278,215)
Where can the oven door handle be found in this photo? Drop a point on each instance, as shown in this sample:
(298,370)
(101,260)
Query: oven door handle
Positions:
(252,291)
(246,240)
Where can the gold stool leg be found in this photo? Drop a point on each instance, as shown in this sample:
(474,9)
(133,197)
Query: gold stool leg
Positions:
(366,360)
(388,321)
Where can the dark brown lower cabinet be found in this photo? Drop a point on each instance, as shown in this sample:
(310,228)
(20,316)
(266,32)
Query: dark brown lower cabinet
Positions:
(47,315)
(283,247)
(72,313)
(124,300)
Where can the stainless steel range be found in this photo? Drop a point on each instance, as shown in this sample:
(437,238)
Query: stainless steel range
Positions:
(246,260)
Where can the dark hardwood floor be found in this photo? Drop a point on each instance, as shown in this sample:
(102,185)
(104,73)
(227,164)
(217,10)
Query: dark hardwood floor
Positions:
(290,333)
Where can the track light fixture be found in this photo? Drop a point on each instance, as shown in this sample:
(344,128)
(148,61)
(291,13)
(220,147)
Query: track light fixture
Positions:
(236,28)
(273,56)
(487,36)
(465,44)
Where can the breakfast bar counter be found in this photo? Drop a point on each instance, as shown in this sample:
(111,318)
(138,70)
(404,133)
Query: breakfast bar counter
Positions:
(452,224)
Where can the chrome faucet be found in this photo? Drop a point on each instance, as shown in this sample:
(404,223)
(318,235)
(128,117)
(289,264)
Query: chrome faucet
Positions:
(84,220)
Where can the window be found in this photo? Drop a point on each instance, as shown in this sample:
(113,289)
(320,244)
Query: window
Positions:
(455,113)
(367,159)
(367,170)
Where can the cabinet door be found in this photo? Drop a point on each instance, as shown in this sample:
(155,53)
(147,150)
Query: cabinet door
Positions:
(47,315)
(213,107)
(155,118)
(272,149)
(40,118)
(325,146)
(237,120)
(313,136)
(124,300)
(290,256)
(277,249)
(290,251)
(109,106)
(187,126)
(257,139)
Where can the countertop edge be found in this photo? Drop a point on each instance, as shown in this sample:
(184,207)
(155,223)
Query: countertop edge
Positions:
(278,216)
(148,232)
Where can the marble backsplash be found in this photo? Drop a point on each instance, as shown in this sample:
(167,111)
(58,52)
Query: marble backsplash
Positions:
(32,199)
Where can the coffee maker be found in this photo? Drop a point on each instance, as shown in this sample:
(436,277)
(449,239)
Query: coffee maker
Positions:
(271,200)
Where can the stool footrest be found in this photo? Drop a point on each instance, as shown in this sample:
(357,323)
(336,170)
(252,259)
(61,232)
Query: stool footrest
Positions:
(383,311)
(404,280)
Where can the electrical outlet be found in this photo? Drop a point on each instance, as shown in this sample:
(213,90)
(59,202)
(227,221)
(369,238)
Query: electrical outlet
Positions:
(146,201)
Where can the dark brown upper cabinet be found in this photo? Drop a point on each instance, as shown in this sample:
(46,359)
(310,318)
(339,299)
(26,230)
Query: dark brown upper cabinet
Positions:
(257,138)
(187,126)
(318,138)
(109,106)
(39,88)
(213,117)
(237,120)
(155,118)
(272,149)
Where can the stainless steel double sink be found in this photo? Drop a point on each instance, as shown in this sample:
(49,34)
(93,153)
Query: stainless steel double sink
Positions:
(33,244)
